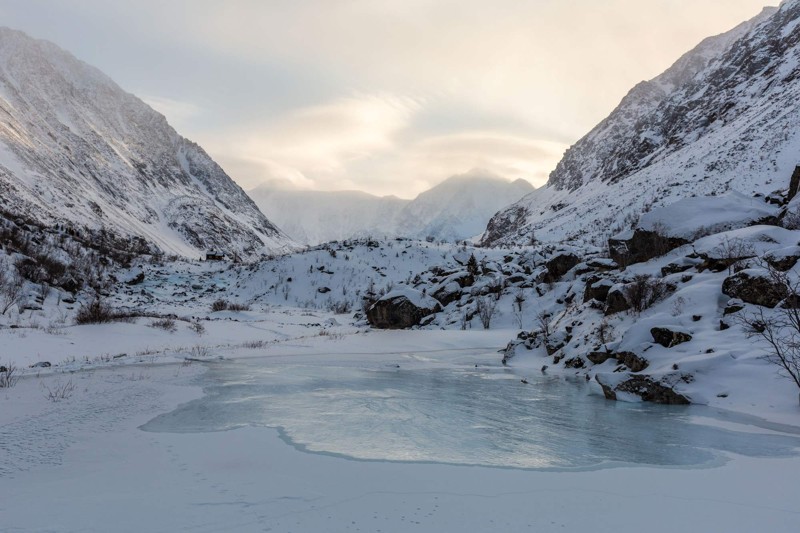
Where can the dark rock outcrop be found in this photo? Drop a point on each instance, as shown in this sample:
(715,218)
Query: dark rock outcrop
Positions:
(646,388)
(635,362)
(616,302)
(597,289)
(755,288)
(559,265)
(641,246)
(668,338)
(397,311)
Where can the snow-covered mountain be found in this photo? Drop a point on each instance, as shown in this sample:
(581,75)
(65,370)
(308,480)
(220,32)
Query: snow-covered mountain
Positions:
(314,217)
(725,116)
(77,150)
(456,209)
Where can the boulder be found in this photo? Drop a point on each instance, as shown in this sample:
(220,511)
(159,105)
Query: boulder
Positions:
(616,302)
(139,278)
(401,309)
(448,293)
(784,259)
(644,387)
(559,265)
(755,287)
(669,337)
(635,362)
(597,289)
(641,245)
(598,358)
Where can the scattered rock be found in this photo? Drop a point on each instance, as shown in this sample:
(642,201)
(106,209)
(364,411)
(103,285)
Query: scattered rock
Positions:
(41,364)
(669,337)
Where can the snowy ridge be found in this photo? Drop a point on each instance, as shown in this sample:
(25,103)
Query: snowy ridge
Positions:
(454,210)
(724,117)
(76,149)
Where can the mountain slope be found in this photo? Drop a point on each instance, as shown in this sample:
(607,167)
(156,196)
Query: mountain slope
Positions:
(724,116)
(456,209)
(75,149)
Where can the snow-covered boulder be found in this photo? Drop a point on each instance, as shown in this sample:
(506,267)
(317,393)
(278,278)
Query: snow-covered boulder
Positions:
(401,309)
(755,286)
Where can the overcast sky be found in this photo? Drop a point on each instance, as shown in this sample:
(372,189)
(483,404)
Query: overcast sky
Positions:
(389,97)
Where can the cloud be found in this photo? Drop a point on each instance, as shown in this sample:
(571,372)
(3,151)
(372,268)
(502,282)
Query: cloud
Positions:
(313,146)
(176,111)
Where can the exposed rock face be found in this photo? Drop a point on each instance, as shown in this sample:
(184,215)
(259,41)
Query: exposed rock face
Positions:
(641,245)
(754,287)
(668,338)
(559,265)
(646,388)
(401,310)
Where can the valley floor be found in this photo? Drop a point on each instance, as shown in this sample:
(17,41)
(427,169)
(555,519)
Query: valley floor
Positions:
(83,464)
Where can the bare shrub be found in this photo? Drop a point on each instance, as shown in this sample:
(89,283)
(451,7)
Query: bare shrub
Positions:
(12,287)
(779,328)
(59,391)
(732,250)
(167,324)
(486,308)
(95,312)
(644,291)
(199,352)
(8,376)
(233,306)
(197,327)
(219,305)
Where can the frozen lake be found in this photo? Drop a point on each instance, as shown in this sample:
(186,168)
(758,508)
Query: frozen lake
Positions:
(464,415)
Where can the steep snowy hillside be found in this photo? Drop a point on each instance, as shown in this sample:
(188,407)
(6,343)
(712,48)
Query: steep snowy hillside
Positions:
(77,150)
(456,209)
(725,116)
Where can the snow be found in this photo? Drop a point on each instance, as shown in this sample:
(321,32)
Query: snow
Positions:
(417,298)
(85,465)
(707,214)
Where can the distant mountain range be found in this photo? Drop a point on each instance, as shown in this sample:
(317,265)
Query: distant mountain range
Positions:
(725,116)
(456,209)
(76,150)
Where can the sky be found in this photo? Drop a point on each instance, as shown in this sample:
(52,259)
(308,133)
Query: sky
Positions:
(388,97)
